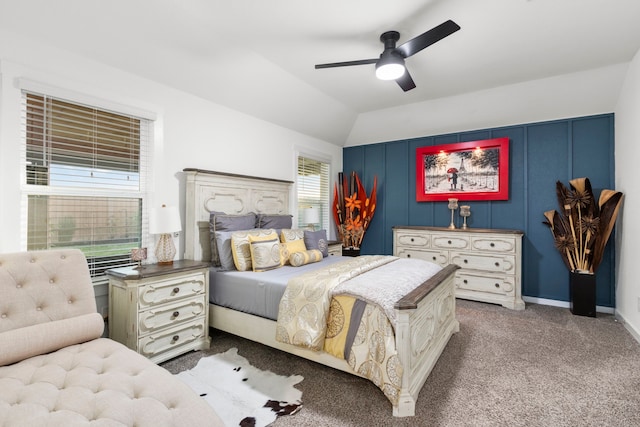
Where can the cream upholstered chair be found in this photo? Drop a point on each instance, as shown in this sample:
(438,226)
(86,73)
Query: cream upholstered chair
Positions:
(55,370)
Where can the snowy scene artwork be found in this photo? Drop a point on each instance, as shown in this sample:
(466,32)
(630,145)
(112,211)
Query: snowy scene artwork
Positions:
(473,170)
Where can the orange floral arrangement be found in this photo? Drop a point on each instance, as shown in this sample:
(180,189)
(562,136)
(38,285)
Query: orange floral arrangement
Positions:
(353,209)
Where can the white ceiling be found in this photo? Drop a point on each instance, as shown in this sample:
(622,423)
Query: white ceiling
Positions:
(258,56)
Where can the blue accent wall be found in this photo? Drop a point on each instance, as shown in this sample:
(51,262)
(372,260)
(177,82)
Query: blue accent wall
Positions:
(539,155)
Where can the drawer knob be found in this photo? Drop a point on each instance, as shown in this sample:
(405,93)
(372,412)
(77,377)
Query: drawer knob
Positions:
(497,264)
(449,242)
(412,239)
(434,258)
(408,255)
(176,313)
(465,261)
(492,245)
(465,281)
(176,290)
(497,285)
(175,338)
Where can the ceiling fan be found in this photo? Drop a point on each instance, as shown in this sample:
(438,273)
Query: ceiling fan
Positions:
(390,64)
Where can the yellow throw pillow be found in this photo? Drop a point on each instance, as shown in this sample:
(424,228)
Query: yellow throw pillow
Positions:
(265,252)
(241,247)
(305,257)
(289,235)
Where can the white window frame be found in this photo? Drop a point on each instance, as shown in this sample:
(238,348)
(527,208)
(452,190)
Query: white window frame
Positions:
(146,152)
(325,222)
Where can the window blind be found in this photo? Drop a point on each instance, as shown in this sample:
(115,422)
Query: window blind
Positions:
(85,179)
(313,191)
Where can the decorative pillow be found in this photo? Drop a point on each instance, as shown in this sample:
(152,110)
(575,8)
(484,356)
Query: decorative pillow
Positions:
(265,252)
(240,246)
(317,240)
(306,257)
(219,221)
(225,254)
(289,235)
(295,246)
(274,221)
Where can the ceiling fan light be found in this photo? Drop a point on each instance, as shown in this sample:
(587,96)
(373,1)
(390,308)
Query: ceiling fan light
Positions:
(390,71)
(390,66)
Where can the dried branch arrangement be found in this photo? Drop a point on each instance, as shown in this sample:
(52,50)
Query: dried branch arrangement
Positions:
(353,209)
(583,227)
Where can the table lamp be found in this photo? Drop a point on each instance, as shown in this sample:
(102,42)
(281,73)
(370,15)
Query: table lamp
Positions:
(311,217)
(165,221)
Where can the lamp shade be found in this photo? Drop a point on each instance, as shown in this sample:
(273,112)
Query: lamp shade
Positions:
(164,220)
(311,215)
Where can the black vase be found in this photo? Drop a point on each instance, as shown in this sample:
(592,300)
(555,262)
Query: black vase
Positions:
(350,251)
(582,294)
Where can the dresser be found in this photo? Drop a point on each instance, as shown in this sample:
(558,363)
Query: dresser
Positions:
(490,260)
(160,311)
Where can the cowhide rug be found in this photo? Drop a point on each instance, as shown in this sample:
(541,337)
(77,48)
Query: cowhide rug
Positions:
(241,394)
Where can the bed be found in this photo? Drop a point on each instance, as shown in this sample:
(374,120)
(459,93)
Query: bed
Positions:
(422,319)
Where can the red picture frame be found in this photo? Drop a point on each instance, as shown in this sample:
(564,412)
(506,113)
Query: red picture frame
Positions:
(473,170)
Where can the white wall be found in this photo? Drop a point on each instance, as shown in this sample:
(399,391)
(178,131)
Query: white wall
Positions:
(627,156)
(569,95)
(190,132)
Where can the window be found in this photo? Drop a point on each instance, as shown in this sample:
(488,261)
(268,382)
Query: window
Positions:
(85,172)
(313,193)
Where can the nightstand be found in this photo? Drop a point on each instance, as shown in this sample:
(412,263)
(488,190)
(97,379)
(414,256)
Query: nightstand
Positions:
(335,248)
(160,311)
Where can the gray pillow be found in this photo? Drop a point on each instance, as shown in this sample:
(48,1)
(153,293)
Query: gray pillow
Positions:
(277,222)
(317,240)
(219,221)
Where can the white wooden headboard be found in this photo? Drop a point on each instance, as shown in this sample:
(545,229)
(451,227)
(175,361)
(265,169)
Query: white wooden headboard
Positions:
(208,191)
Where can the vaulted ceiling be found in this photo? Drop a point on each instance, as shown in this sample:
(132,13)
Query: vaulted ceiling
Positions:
(258,57)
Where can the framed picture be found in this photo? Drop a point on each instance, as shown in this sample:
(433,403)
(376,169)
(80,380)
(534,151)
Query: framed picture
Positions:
(474,170)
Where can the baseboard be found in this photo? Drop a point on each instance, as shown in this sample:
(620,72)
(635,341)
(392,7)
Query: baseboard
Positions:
(633,331)
(564,304)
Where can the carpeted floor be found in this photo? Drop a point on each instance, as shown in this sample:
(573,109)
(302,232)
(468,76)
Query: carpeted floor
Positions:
(537,367)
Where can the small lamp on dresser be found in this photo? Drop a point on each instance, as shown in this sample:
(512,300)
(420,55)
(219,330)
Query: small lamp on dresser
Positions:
(165,221)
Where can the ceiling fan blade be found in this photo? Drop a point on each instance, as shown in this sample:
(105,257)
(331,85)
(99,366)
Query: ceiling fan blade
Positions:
(428,38)
(405,81)
(347,63)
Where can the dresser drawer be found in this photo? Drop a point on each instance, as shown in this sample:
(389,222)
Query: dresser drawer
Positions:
(412,240)
(172,338)
(438,257)
(171,314)
(494,244)
(504,285)
(165,291)
(489,263)
(450,242)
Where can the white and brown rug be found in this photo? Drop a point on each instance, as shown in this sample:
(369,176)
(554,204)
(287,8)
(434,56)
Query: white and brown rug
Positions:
(241,394)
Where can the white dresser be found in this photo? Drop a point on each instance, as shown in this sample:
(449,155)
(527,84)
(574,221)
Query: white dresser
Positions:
(490,260)
(160,311)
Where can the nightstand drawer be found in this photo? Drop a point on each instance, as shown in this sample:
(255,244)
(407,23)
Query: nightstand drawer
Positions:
(495,285)
(164,291)
(172,338)
(172,314)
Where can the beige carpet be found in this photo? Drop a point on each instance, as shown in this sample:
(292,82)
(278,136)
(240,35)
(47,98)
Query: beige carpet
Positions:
(537,367)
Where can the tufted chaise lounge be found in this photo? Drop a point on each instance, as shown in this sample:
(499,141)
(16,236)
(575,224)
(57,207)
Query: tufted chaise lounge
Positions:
(55,370)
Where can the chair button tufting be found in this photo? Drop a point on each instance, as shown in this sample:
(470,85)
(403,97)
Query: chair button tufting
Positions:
(38,308)
(50,280)
(18,286)
(32,260)
(4,316)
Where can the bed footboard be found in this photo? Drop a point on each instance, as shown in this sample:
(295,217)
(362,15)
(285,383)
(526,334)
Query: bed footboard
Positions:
(425,322)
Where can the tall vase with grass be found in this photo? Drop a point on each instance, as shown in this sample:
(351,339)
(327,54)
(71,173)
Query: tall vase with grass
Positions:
(580,231)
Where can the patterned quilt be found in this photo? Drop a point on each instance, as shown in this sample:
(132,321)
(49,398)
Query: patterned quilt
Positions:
(346,310)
